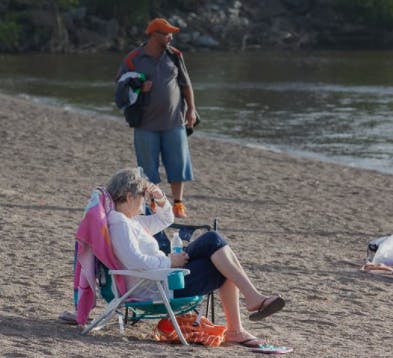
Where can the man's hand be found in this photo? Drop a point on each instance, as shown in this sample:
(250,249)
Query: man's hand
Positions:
(146,87)
(190,117)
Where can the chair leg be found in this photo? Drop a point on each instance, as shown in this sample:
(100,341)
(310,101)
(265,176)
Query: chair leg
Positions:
(126,316)
(198,319)
(110,310)
(171,314)
(210,302)
(213,314)
(121,323)
(104,317)
(207,305)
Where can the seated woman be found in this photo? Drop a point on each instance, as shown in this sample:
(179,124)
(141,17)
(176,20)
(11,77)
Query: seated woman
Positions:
(212,262)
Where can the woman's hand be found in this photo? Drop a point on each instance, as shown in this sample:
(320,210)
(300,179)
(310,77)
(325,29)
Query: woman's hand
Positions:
(156,193)
(179,260)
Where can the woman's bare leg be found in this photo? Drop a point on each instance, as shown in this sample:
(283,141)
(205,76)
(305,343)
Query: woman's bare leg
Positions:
(227,263)
(229,295)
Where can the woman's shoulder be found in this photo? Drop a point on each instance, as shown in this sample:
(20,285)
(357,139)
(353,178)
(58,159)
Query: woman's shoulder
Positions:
(116,217)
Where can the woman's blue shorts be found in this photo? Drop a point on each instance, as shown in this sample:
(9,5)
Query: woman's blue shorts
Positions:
(204,276)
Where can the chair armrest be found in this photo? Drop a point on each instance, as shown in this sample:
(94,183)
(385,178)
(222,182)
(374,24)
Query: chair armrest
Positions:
(155,275)
(195,227)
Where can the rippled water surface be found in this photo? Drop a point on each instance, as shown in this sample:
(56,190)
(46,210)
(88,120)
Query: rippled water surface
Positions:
(330,105)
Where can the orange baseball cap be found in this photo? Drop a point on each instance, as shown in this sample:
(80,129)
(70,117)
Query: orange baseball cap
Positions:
(160,24)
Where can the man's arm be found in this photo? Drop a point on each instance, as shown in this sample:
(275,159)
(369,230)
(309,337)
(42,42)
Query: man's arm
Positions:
(186,89)
(188,95)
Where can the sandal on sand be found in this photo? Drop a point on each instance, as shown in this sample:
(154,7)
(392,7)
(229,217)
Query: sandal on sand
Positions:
(68,318)
(271,349)
(244,339)
(253,342)
(267,309)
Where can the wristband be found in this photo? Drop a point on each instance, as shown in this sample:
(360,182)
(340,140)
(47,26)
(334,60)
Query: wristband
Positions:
(161,200)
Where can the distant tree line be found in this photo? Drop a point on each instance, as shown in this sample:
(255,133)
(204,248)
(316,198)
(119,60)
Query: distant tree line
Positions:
(26,26)
(376,13)
(16,15)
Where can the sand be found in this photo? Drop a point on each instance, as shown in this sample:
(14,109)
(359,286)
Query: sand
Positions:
(300,228)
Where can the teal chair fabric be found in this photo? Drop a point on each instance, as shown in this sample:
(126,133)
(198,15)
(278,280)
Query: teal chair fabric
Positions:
(136,310)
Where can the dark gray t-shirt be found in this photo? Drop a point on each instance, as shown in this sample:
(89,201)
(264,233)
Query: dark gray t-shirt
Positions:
(165,107)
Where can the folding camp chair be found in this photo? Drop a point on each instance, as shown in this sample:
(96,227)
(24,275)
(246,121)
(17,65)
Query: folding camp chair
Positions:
(135,311)
(170,278)
(146,309)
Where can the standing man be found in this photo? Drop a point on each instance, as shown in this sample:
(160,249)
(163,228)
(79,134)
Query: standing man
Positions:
(169,108)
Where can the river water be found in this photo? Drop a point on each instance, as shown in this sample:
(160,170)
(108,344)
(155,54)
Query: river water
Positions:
(334,106)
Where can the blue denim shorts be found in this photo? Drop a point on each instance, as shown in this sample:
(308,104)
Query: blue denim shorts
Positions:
(172,144)
(204,276)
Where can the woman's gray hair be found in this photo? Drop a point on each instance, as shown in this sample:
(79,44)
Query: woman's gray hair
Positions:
(125,181)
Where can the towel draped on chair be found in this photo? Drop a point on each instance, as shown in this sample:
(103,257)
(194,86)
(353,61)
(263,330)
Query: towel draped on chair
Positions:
(93,242)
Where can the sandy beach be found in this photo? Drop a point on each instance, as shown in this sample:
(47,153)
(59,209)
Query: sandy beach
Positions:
(300,228)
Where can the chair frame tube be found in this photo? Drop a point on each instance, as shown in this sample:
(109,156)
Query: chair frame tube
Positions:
(159,276)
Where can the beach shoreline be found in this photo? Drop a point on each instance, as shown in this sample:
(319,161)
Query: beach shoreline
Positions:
(300,227)
(350,161)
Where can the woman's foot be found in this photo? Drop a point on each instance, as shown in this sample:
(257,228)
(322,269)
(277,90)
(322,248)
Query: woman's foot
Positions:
(267,307)
(243,338)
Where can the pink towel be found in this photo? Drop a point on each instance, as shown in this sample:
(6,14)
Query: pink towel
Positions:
(93,241)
